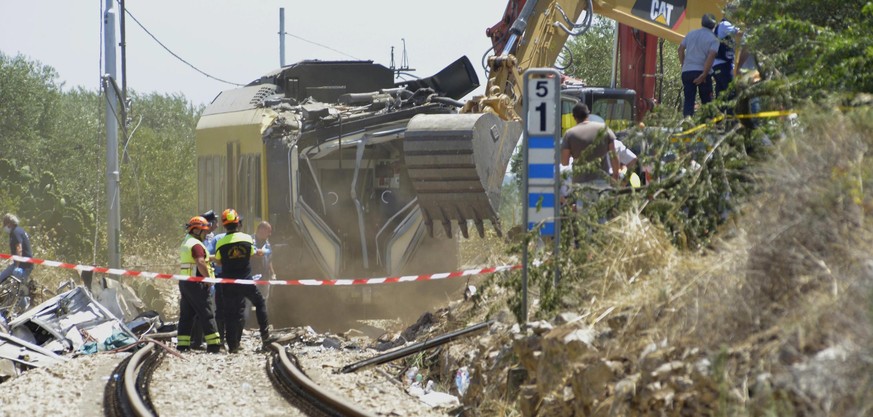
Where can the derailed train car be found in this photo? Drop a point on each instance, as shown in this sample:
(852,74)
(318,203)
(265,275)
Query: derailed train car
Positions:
(343,162)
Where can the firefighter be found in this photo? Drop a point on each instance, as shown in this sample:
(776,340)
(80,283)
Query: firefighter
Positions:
(234,252)
(194,303)
(214,297)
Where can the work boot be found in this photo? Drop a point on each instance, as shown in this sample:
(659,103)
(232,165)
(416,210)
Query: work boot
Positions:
(213,348)
(183,348)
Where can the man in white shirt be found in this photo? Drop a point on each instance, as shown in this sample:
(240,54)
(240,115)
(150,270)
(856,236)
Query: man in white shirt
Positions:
(626,160)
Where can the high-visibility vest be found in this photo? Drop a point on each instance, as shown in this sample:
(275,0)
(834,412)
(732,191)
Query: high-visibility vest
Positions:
(234,251)
(189,264)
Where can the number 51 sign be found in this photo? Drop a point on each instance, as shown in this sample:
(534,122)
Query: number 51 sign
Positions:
(541,99)
(541,150)
(542,121)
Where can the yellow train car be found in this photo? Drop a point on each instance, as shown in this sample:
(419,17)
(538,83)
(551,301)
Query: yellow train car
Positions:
(325,151)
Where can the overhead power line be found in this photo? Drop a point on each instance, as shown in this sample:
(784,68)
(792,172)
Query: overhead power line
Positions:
(176,55)
(323,46)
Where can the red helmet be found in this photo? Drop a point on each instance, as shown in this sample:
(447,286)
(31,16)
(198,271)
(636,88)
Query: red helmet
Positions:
(229,216)
(197,223)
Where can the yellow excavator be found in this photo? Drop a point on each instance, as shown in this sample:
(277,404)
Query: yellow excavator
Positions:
(362,176)
(531,34)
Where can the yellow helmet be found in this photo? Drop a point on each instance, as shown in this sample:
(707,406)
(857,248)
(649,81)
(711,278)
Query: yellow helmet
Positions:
(229,216)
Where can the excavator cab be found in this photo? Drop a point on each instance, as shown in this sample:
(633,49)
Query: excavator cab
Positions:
(614,105)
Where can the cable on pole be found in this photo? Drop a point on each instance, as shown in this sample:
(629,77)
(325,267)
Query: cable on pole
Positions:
(176,55)
(322,45)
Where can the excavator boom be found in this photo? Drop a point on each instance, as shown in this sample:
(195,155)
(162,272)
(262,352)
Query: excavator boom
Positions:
(670,20)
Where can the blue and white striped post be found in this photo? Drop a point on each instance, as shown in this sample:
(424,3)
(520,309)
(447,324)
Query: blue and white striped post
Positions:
(541,150)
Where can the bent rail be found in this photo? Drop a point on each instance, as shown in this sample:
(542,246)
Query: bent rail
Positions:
(291,379)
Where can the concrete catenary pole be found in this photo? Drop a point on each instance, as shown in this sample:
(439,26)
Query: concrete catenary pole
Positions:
(614,55)
(281,37)
(113,176)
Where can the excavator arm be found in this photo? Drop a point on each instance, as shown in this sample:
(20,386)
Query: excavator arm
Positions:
(535,38)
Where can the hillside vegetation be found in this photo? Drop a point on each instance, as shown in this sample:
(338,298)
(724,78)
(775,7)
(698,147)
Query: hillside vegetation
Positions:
(740,283)
(53,170)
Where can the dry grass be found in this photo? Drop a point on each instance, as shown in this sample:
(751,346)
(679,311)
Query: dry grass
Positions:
(155,254)
(794,278)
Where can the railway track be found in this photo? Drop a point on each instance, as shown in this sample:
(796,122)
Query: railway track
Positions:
(127,392)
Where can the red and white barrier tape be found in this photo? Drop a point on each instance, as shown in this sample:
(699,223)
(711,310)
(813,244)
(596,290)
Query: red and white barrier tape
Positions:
(307,282)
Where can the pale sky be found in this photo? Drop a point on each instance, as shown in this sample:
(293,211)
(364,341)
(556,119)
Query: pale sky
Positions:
(238,40)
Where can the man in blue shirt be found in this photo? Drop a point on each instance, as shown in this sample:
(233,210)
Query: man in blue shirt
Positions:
(723,65)
(696,54)
(210,242)
(19,245)
(262,268)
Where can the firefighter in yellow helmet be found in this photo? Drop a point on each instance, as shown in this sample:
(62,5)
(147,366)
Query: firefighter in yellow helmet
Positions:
(194,303)
(234,252)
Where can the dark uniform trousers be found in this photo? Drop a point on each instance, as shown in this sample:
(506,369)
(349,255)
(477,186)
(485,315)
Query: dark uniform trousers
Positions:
(195,306)
(217,305)
(234,303)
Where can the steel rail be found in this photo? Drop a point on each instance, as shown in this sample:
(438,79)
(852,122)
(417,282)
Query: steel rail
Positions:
(122,396)
(415,348)
(287,373)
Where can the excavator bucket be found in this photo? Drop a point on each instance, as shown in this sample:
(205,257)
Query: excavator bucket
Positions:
(457,163)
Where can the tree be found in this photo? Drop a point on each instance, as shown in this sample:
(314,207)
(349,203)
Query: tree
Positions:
(29,94)
(160,165)
(820,46)
(31,122)
(590,54)
(53,171)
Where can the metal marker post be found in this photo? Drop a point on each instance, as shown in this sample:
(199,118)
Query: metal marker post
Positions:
(541,151)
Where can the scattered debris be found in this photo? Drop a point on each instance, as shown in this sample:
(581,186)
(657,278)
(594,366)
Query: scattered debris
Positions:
(331,343)
(462,380)
(469,292)
(67,323)
(430,397)
(120,299)
(411,333)
(415,348)
(17,355)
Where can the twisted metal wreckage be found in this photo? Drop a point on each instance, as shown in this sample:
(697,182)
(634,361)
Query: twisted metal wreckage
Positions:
(73,322)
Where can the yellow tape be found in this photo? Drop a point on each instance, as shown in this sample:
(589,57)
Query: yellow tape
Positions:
(699,127)
(761,115)
(764,114)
